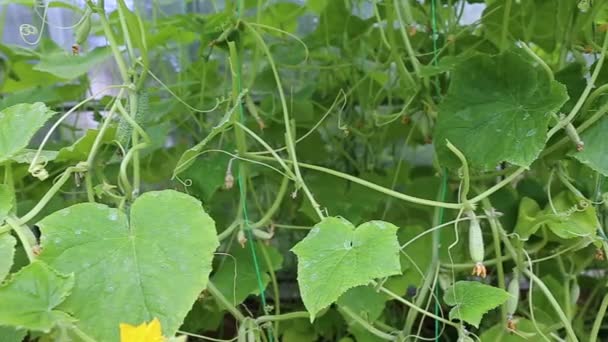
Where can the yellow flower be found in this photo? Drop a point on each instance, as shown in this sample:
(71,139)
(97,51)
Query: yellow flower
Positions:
(145,332)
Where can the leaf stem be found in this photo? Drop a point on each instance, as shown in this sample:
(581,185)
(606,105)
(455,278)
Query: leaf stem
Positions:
(554,304)
(370,328)
(49,194)
(414,307)
(370,185)
(27,238)
(465,172)
(219,297)
(282,317)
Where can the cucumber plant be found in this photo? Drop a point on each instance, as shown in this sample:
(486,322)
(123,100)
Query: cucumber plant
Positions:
(357,170)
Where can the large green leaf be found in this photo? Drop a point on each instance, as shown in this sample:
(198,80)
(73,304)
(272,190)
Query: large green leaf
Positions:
(18,124)
(30,298)
(471,300)
(595,154)
(497,109)
(70,67)
(335,257)
(155,265)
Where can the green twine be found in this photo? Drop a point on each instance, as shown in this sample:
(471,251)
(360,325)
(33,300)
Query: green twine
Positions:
(444,178)
(241,182)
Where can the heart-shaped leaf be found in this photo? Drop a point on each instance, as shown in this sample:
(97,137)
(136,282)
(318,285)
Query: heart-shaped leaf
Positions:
(18,124)
(154,266)
(497,109)
(471,300)
(335,257)
(30,297)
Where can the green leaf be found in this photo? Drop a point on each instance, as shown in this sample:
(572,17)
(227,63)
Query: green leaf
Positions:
(335,257)
(572,220)
(331,191)
(10,334)
(527,222)
(526,332)
(497,109)
(316,6)
(595,154)
(7,201)
(416,256)
(155,265)
(207,174)
(18,124)
(27,155)
(298,330)
(543,309)
(66,66)
(30,298)
(365,301)
(190,155)
(471,300)
(282,14)
(543,22)
(7,254)
(79,150)
(236,277)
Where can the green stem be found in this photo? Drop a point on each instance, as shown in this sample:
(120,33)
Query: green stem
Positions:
(599,318)
(97,144)
(275,287)
(27,238)
(268,148)
(590,84)
(49,194)
(580,129)
(370,185)
(283,317)
(120,62)
(414,307)
(498,185)
(125,29)
(274,206)
(492,219)
(219,297)
(505,25)
(406,40)
(465,172)
(370,328)
(562,316)
(289,140)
